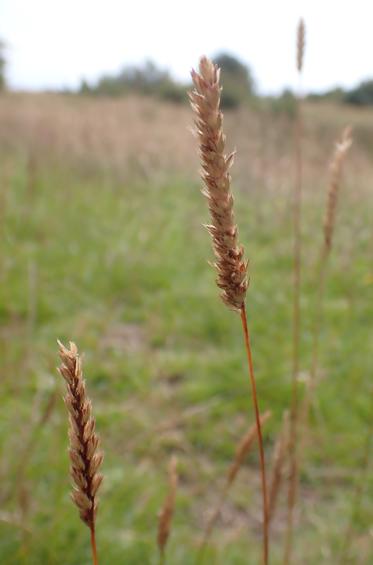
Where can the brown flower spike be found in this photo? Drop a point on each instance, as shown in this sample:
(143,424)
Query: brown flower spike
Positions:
(301,33)
(341,150)
(230,264)
(84,455)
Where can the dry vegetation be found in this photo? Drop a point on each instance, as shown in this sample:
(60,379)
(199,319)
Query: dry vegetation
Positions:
(89,134)
(100,241)
(84,442)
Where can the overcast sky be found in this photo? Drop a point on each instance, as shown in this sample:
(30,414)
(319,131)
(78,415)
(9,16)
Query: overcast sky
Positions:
(53,43)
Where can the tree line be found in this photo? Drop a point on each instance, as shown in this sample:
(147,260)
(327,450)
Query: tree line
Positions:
(239,87)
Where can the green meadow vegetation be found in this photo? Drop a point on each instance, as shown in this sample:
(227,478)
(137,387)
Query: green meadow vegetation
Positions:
(101,243)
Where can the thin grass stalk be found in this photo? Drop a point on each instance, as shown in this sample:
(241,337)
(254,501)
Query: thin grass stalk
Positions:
(93,544)
(360,484)
(342,147)
(279,459)
(167,511)
(297,259)
(338,159)
(259,431)
(316,331)
(230,264)
(85,456)
(242,450)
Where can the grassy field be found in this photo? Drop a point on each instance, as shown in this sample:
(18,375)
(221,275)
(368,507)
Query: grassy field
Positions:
(101,242)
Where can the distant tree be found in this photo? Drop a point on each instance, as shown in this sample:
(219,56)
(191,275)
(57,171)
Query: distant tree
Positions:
(146,79)
(84,87)
(143,79)
(2,66)
(285,104)
(172,92)
(238,83)
(362,95)
(336,94)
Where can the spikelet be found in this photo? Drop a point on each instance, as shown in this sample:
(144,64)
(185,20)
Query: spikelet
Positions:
(301,32)
(84,455)
(244,447)
(167,510)
(339,156)
(279,457)
(242,450)
(230,264)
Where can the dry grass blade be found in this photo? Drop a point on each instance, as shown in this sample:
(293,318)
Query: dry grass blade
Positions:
(244,447)
(84,454)
(279,458)
(230,264)
(167,511)
(242,450)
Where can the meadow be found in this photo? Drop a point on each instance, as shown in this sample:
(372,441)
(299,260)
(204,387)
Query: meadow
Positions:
(102,243)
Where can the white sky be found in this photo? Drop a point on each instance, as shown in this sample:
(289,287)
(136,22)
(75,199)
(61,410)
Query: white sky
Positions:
(54,43)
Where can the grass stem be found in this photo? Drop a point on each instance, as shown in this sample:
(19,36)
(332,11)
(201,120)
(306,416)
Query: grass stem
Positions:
(260,437)
(294,409)
(93,546)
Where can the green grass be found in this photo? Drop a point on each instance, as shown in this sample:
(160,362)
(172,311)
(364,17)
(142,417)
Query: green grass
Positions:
(121,268)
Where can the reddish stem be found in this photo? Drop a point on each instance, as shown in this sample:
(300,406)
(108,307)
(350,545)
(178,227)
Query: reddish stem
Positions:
(93,545)
(260,437)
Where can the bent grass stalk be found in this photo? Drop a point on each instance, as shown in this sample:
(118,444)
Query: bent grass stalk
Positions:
(84,442)
(242,450)
(297,258)
(230,264)
(342,147)
(167,511)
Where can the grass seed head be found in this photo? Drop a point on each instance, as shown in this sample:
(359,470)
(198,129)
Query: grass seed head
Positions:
(230,264)
(339,156)
(301,33)
(84,443)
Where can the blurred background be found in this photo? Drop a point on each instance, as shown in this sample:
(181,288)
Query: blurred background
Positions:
(101,242)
